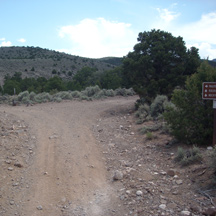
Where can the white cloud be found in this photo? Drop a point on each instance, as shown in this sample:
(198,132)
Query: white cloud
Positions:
(206,50)
(203,30)
(5,43)
(99,38)
(22,40)
(2,39)
(166,15)
(200,34)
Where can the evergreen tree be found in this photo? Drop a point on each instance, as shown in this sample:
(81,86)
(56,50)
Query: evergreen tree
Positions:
(192,119)
(158,64)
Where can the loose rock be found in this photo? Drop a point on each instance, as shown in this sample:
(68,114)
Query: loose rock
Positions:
(171,173)
(139,193)
(162,206)
(10,168)
(118,175)
(18,165)
(179,182)
(185,213)
(11,202)
(210,212)
(39,207)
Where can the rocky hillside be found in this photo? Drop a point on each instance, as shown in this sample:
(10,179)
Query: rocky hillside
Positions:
(36,62)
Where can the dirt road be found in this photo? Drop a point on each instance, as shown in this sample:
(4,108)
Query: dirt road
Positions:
(58,159)
(65,173)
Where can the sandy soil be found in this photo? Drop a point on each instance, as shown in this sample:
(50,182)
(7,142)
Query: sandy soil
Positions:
(58,159)
(65,174)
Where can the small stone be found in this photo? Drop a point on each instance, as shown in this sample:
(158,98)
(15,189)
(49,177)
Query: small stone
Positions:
(163,173)
(163,201)
(132,133)
(171,173)
(122,197)
(10,168)
(8,161)
(195,209)
(210,212)
(171,205)
(128,191)
(18,165)
(162,206)
(53,137)
(11,202)
(175,192)
(39,207)
(179,182)
(185,213)
(139,193)
(118,175)
(209,148)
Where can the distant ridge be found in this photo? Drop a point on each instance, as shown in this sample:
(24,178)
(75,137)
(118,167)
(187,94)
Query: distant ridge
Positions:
(36,62)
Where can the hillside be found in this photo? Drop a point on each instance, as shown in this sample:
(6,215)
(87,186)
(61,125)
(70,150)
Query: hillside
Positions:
(36,62)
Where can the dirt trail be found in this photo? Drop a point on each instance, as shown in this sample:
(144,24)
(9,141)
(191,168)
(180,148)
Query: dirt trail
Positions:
(59,159)
(67,175)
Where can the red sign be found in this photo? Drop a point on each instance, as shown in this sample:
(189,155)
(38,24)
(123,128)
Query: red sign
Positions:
(209,90)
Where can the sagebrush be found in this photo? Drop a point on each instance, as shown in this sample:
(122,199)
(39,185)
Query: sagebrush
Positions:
(90,93)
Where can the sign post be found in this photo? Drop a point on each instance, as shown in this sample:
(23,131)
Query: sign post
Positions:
(209,93)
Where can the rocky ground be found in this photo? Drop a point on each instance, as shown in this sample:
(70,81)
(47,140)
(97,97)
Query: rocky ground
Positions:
(88,159)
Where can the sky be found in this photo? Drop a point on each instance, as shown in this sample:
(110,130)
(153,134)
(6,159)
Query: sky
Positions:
(101,28)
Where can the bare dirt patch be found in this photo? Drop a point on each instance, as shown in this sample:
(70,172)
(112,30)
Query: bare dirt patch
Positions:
(59,159)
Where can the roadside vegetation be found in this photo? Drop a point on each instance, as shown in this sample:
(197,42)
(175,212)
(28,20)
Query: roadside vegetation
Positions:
(165,74)
(90,93)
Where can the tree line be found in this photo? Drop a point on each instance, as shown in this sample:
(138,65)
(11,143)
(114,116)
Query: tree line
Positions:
(85,77)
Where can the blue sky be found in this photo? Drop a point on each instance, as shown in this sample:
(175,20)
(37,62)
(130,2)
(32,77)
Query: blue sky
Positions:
(100,28)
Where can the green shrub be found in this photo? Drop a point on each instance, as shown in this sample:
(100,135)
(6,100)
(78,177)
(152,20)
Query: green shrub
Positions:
(180,154)
(91,91)
(110,93)
(152,128)
(130,92)
(32,96)
(149,136)
(26,100)
(158,105)
(76,94)
(121,92)
(192,119)
(100,94)
(64,95)
(4,98)
(154,111)
(212,160)
(187,157)
(43,97)
(84,97)
(57,99)
(22,95)
(142,113)
(140,102)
